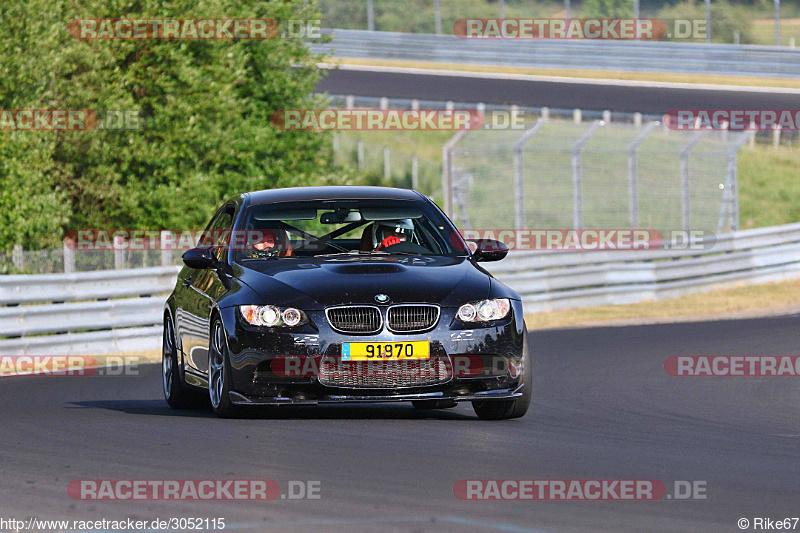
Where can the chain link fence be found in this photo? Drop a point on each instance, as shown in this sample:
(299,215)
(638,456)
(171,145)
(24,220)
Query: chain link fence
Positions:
(593,175)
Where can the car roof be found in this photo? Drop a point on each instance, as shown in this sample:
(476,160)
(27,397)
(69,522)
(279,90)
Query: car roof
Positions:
(337,192)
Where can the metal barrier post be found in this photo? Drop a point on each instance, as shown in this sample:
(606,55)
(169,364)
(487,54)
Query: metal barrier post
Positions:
(18,257)
(69,259)
(166,247)
(447,172)
(685,178)
(730,193)
(519,177)
(577,185)
(633,178)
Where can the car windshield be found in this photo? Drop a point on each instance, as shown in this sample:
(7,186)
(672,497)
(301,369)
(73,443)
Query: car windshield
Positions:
(347,228)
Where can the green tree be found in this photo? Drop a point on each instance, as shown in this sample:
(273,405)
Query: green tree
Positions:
(607,9)
(204,106)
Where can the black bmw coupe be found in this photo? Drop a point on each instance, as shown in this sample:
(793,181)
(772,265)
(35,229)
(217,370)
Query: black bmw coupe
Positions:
(303,296)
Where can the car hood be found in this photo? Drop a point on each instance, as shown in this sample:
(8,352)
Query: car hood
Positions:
(314,283)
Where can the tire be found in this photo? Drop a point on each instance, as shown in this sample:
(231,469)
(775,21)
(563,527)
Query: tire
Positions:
(176,392)
(516,408)
(433,404)
(219,376)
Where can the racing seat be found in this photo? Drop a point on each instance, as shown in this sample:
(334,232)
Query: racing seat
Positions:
(366,239)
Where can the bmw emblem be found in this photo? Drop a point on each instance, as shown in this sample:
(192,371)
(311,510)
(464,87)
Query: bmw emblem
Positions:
(382,298)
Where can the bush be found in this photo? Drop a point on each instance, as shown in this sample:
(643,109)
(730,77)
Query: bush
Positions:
(205,107)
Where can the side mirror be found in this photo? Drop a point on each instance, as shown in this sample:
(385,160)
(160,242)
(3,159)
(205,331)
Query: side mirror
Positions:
(199,258)
(489,250)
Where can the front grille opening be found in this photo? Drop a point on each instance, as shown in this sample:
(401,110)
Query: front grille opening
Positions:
(355,319)
(407,318)
(384,374)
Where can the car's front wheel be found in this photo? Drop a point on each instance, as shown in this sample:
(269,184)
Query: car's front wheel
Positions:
(219,378)
(516,408)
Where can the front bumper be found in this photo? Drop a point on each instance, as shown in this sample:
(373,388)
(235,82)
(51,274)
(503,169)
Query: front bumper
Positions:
(354,397)
(254,352)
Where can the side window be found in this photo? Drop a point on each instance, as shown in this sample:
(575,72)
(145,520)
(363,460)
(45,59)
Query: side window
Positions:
(221,232)
(207,237)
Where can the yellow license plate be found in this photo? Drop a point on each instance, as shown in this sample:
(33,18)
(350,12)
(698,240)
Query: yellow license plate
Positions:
(381,351)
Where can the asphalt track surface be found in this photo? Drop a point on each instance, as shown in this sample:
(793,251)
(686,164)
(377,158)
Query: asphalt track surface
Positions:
(603,408)
(655,100)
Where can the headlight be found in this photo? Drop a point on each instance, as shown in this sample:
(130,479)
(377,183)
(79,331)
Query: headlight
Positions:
(271,316)
(485,310)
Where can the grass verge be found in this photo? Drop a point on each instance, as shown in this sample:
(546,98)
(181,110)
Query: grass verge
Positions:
(736,302)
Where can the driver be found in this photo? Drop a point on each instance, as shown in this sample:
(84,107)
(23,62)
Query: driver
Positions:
(269,243)
(386,233)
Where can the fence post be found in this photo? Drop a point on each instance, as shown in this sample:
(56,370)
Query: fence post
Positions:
(685,213)
(633,174)
(568,8)
(360,154)
(415,104)
(501,9)
(447,172)
(519,173)
(777,22)
(166,243)
(637,120)
(18,257)
(577,116)
(437,16)
(448,105)
(607,116)
(577,174)
(414,172)
(69,258)
(348,101)
(384,103)
(119,252)
(545,113)
(776,136)
(708,21)
(370,16)
(387,169)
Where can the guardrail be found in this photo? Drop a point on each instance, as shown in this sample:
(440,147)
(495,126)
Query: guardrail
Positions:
(120,310)
(549,281)
(81,313)
(725,59)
